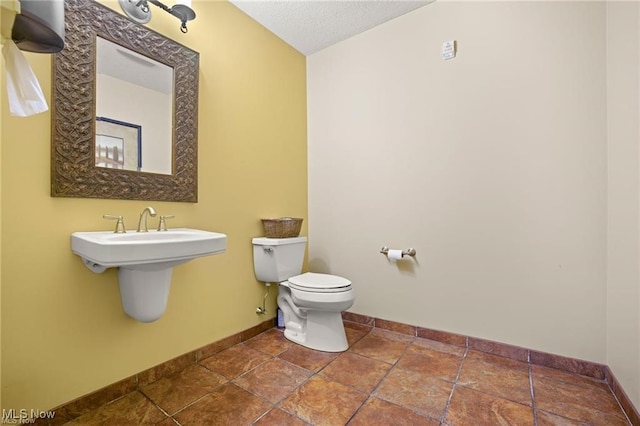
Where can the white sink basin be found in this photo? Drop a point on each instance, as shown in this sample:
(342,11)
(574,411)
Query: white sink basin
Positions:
(145,261)
(108,249)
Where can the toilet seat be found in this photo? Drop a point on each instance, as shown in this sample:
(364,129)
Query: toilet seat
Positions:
(319,283)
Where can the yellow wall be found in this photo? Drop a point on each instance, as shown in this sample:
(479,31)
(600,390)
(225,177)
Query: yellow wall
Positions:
(8,9)
(63,330)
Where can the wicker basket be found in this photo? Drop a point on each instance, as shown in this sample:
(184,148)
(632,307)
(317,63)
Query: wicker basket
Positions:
(283,227)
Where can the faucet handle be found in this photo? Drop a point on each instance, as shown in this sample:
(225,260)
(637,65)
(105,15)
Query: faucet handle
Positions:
(119,224)
(162,225)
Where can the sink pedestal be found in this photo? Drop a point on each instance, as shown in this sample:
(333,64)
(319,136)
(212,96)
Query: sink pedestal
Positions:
(144,294)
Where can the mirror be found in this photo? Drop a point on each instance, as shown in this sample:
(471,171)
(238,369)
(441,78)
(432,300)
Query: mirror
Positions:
(134,98)
(100,147)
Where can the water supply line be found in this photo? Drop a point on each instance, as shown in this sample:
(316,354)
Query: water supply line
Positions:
(263,310)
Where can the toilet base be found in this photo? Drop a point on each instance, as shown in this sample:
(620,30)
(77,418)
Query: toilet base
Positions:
(324,331)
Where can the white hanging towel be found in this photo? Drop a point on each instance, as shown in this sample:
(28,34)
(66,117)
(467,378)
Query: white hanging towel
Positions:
(24,92)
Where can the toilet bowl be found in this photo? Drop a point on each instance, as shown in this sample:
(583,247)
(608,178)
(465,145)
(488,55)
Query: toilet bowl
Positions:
(312,306)
(311,303)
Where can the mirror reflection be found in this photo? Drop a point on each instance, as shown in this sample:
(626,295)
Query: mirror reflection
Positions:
(134,98)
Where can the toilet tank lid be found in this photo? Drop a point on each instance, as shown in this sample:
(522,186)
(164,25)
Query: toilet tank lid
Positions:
(264,241)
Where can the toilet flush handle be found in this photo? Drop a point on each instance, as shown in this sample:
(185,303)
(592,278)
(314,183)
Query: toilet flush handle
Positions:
(267,249)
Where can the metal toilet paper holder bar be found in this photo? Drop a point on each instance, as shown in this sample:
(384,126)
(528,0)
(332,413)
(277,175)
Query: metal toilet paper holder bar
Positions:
(408,252)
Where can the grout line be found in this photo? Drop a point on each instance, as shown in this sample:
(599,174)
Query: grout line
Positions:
(191,403)
(319,374)
(355,413)
(613,384)
(455,382)
(273,405)
(531,391)
(160,408)
(624,413)
(263,415)
(371,393)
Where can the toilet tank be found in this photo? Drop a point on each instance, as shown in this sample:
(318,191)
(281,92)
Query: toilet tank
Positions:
(277,259)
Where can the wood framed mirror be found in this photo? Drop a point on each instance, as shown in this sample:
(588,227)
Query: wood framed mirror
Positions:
(74,170)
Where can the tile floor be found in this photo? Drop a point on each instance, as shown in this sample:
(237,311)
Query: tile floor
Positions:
(385,378)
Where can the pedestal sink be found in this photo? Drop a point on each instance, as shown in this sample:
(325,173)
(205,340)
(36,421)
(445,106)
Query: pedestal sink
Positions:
(145,261)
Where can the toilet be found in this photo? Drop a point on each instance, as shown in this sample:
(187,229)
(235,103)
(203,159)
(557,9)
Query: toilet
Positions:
(311,303)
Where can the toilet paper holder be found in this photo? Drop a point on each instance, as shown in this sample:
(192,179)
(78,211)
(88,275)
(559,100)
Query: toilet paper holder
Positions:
(408,252)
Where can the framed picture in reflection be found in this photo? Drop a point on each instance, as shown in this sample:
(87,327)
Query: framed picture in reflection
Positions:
(118,144)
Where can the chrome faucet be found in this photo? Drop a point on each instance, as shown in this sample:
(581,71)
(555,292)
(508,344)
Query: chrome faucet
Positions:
(142,223)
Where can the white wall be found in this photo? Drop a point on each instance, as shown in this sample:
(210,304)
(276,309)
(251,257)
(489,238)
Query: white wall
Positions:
(492,166)
(623,273)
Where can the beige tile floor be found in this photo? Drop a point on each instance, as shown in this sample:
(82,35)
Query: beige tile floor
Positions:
(384,378)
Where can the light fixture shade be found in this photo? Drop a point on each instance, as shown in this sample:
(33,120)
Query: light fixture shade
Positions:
(183,8)
(130,8)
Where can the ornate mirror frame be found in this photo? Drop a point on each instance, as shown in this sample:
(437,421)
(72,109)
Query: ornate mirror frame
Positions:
(73,170)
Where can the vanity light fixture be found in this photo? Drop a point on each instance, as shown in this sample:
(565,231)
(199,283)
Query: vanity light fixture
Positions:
(139,11)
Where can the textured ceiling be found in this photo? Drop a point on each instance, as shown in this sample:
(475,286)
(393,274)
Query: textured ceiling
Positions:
(311,25)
